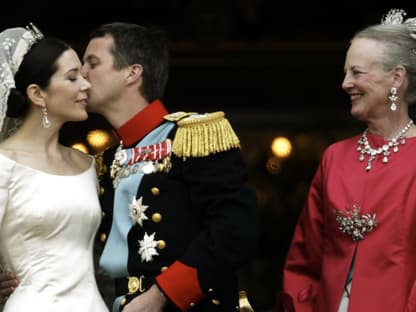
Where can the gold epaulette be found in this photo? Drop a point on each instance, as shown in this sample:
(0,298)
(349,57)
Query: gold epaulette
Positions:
(175,117)
(200,135)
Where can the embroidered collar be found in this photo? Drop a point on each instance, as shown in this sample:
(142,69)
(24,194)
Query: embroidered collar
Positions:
(142,123)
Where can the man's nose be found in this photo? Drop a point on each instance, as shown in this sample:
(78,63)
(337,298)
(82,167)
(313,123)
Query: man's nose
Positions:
(84,72)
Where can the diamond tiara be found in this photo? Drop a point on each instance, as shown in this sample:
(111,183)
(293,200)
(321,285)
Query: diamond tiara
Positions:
(396,17)
(36,33)
(393,17)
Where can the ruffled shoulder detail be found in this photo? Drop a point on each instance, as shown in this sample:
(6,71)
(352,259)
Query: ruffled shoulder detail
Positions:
(200,135)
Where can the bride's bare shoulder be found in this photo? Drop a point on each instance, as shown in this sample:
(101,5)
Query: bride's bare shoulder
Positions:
(81,159)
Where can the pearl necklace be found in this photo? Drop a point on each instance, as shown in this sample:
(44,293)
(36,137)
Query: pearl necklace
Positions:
(365,148)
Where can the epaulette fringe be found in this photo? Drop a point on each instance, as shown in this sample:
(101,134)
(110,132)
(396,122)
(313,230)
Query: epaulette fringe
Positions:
(203,135)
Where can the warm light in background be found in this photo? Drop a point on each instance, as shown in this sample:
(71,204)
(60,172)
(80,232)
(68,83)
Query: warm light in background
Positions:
(81,147)
(281,147)
(98,139)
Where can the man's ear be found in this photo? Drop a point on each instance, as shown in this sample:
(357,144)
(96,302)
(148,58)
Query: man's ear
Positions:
(36,95)
(134,73)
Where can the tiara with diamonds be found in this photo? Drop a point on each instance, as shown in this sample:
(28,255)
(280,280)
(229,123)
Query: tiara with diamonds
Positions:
(36,33)
(393,17)
(396,17)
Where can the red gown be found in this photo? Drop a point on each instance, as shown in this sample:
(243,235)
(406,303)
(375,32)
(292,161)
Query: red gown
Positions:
(320,254)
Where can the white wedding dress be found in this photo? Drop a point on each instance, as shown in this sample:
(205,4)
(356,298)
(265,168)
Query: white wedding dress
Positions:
(47,228)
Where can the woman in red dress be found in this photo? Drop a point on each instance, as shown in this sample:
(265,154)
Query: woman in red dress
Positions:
(354,247)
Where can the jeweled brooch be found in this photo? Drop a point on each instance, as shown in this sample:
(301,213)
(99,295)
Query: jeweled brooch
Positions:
(354,224)
(137,211)
(148,247)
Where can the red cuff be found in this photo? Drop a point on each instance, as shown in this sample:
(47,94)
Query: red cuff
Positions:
(180,284)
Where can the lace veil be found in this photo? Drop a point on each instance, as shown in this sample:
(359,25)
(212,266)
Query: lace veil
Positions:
(14,44)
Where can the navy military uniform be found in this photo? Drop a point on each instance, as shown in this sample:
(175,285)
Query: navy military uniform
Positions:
(177,211)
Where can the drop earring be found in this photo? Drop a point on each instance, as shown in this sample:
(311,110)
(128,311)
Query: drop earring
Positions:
(45,120)
(393,98)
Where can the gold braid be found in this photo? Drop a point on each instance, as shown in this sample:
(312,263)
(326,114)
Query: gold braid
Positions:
(203,135)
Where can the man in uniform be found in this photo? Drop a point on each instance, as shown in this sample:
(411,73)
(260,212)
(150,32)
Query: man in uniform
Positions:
(178,217)
(183,218)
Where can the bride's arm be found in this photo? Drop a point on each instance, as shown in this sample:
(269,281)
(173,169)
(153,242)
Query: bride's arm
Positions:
(8,281)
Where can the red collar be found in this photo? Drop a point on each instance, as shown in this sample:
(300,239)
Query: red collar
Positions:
(142,123)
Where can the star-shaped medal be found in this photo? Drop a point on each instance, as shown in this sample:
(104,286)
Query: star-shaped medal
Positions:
(137,210)
(148,247)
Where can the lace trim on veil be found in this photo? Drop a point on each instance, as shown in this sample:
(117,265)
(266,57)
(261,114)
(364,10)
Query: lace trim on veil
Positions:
(10,125)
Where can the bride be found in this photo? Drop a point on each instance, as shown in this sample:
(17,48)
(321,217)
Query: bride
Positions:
(49,209)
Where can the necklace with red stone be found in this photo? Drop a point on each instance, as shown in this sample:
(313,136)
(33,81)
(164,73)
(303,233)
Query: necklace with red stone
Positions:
(365,148)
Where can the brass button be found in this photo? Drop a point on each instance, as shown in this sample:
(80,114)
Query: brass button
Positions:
(103,237)
(133,285)
(161,244)
(102,190)
(155,191)
(192,304)
(215,301)
(123,301)
(163,269)
(156,217)
(103,214)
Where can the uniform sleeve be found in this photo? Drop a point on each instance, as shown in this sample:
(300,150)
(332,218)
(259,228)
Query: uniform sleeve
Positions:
(302,268)
(226,206)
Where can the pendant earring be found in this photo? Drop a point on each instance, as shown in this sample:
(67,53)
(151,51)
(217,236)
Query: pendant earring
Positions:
(45,120)
(393,98)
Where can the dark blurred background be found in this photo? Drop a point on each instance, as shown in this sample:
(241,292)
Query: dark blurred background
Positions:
(274,67)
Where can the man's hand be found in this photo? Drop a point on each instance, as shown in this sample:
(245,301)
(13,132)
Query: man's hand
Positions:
(152,300)
(8,283)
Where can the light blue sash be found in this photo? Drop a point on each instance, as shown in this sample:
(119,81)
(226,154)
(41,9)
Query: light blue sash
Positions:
(115,255)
